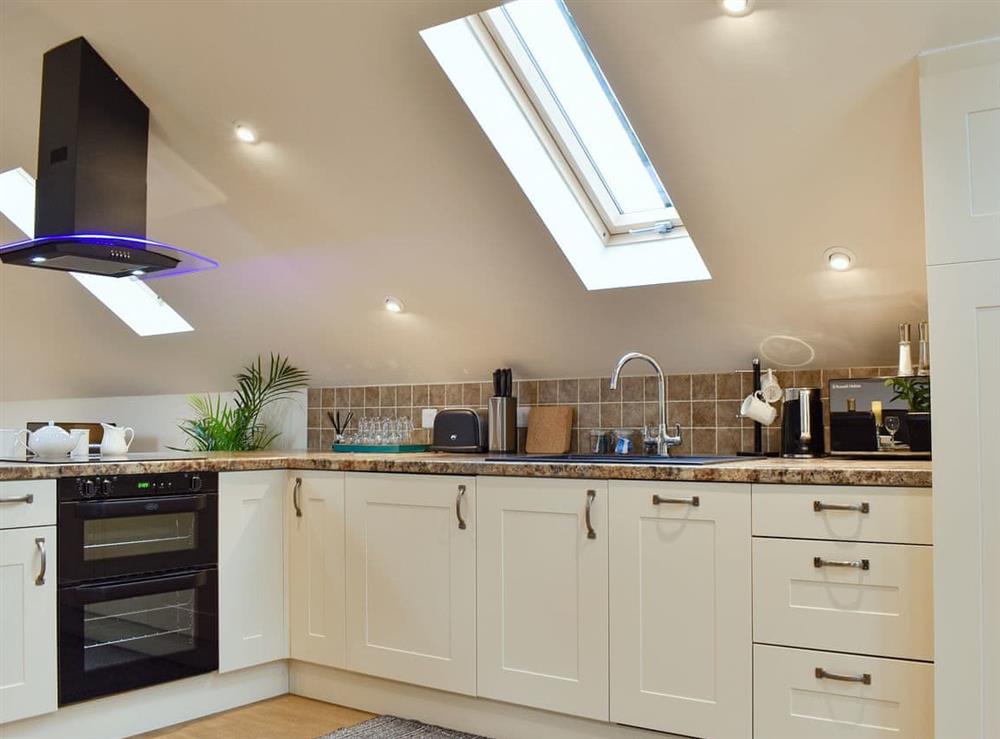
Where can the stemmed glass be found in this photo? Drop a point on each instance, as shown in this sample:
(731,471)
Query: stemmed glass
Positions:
(892,424)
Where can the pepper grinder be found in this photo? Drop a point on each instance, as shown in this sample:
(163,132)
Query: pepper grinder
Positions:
(905,368)
(923,350)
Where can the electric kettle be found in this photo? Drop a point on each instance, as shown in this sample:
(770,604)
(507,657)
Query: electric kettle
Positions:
(802,434)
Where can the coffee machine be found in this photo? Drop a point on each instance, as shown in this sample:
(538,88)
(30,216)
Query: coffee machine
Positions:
(802,435)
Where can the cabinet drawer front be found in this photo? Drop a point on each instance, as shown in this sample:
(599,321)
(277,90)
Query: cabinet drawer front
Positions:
(843,513)
(880,698)
(864,598)
(27,503)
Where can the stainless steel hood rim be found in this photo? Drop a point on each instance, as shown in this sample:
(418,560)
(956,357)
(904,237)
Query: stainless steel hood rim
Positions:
(187,261)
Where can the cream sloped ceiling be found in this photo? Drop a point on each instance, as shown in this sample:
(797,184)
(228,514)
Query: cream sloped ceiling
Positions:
(778,135)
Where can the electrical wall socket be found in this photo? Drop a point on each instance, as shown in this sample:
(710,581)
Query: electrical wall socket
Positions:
(427,417)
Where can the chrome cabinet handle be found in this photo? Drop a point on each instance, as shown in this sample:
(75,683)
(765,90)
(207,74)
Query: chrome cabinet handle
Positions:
(591,495)
(820,506)
(458,506)
(694,500)
(864,679)
(861,564)
(40,543)
(29,498)
(295,497)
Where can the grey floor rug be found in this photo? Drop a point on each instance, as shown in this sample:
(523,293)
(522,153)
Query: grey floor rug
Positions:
(391,727)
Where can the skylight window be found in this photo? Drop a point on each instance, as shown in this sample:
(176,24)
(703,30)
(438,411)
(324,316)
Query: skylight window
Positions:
(129,298)
(533,84)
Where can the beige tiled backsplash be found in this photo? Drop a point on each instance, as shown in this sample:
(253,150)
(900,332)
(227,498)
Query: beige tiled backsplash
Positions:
(705,405)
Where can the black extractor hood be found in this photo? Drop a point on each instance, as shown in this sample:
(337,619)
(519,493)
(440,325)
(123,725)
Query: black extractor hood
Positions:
(90,194)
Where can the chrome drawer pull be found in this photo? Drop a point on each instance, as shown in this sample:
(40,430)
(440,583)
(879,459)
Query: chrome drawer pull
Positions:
(458,506)
(40,580)
(864,679)
(29,498)
(820,506)
(861,564)
(591,494)
(295,497)
(694,500)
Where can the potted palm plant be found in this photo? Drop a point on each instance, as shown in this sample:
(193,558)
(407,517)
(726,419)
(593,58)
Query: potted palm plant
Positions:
(916,391)
(221,427)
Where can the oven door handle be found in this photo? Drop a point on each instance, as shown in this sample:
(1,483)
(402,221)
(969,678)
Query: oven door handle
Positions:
(113,591)
(141,506)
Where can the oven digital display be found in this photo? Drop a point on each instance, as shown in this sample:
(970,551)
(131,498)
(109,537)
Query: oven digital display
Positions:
(143,485)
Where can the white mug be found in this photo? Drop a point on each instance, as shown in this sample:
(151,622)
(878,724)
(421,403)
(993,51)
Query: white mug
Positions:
(82,448)
(12,443)
(756,409)
(769,387)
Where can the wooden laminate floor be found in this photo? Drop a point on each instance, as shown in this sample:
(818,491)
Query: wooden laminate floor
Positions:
(284,717)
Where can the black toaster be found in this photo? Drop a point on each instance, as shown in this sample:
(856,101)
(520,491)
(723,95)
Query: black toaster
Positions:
(459,430)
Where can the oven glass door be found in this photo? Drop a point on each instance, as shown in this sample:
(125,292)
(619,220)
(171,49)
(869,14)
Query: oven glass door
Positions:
(111,538)
(122,635)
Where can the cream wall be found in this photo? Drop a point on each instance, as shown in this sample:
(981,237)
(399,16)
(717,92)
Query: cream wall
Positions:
(778,135)
(154,417)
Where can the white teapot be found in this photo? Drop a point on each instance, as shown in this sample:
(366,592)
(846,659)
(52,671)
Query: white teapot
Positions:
(113,443)
(48,441)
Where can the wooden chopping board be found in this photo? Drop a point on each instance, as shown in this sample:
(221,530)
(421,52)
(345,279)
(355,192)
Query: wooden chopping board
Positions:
(549,429)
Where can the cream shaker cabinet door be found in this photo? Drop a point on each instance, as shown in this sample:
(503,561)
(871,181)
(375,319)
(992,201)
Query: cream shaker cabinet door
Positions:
(253,628)
(680,607)
(411,578)
(316,571)
(27,623)
(543,593)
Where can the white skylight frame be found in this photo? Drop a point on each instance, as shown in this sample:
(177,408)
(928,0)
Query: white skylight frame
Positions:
(525,31)
(476,65)
(129,298)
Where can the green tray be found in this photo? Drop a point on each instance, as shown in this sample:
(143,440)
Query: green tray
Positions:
(381,448)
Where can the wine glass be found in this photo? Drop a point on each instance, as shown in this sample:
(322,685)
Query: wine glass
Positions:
(892,425)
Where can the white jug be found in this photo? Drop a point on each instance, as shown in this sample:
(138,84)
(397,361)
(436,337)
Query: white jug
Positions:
(113,443)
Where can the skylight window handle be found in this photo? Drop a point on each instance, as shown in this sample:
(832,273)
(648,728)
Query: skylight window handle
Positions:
(658,228)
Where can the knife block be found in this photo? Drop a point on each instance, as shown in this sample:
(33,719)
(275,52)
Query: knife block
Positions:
(502,434)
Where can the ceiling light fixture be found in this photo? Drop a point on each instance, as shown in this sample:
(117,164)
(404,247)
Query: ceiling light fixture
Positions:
(38,260)
(737,7)
(245,134)
(393,305)
(839,258)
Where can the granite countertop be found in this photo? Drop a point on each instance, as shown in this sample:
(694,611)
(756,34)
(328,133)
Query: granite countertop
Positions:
(826,471)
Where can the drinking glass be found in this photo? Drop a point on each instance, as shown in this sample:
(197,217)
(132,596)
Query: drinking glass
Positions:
(892,425)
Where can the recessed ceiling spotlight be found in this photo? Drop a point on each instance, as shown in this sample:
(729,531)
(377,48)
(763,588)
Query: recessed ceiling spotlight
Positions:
(839,258)
(737,7)
(138,272)
(38,260)
(245,134)
(393,305)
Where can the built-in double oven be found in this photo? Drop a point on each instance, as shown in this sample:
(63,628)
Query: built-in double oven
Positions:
(138,583)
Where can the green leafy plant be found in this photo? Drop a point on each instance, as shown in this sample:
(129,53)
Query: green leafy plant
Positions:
(219,426)
(916,391)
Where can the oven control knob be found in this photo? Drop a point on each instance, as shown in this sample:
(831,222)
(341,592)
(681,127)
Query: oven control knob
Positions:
(196,482)
(105,487)
(89,489)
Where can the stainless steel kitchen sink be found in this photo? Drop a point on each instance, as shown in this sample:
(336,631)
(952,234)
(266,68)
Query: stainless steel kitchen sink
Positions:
(688,461)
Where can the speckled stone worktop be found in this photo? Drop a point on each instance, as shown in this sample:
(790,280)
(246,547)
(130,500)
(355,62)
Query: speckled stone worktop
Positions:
(827,471)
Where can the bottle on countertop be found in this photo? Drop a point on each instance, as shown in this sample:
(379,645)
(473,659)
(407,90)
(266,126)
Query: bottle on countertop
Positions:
(905,368)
